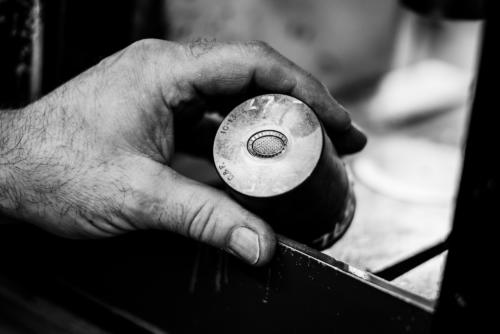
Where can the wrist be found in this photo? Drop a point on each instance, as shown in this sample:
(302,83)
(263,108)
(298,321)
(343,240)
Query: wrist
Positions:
(12,153)
(22,133)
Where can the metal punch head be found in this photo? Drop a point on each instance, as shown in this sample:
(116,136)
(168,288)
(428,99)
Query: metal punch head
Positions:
(268,145)
(274,156)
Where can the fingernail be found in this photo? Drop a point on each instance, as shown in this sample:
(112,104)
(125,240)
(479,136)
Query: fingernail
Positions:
(245,243)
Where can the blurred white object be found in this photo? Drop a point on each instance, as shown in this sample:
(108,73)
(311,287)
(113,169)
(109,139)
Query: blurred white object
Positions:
(418,90)
(410,169)
(343,43)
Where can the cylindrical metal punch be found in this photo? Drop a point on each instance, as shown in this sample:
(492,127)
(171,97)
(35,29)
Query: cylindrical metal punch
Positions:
(276,159)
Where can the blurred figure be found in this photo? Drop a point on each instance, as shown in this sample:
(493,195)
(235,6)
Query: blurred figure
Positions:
(343,43)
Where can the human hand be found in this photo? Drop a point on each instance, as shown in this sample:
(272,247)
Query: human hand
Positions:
(91,159)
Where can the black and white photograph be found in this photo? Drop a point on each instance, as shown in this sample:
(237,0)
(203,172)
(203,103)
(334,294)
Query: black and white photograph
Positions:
(248,166)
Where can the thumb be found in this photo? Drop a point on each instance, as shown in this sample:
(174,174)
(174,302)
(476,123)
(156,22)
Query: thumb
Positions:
(211,216)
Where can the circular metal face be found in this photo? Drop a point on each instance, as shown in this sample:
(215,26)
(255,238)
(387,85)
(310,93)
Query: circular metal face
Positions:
(268,145)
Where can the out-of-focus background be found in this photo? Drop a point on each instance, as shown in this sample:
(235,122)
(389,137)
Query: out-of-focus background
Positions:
(406,76)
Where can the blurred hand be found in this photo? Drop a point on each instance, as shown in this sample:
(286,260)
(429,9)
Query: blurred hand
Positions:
(91,158)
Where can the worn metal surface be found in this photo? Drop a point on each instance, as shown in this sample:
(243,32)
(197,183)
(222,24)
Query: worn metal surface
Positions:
(268,145)
(276,160)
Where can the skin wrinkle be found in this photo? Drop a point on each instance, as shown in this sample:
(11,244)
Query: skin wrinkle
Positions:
(81,209)
(103,224)
(190,218)
(201,218)
(111,225)
(97,227)
(210,227)
(115,211)
(118,213)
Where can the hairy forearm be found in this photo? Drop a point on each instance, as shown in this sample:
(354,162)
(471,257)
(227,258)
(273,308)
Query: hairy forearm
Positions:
(44,171)
(24,158)
(14,126)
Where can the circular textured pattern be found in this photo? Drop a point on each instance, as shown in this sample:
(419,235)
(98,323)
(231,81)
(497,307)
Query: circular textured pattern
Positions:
(267,144)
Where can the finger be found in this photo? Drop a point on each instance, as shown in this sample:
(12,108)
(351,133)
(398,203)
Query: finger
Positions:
(225,71)
(349,142)
(197,211)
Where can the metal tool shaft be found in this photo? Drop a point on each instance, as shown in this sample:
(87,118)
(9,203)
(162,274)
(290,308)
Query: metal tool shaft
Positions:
(273,154)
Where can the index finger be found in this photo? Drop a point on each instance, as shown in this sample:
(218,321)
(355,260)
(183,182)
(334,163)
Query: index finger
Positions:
(219,70)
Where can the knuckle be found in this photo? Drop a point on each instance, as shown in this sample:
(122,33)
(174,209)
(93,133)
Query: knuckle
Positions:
(147,44)
(199,47)
(151,48)
(141,59)
(133,54)
(260,47)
